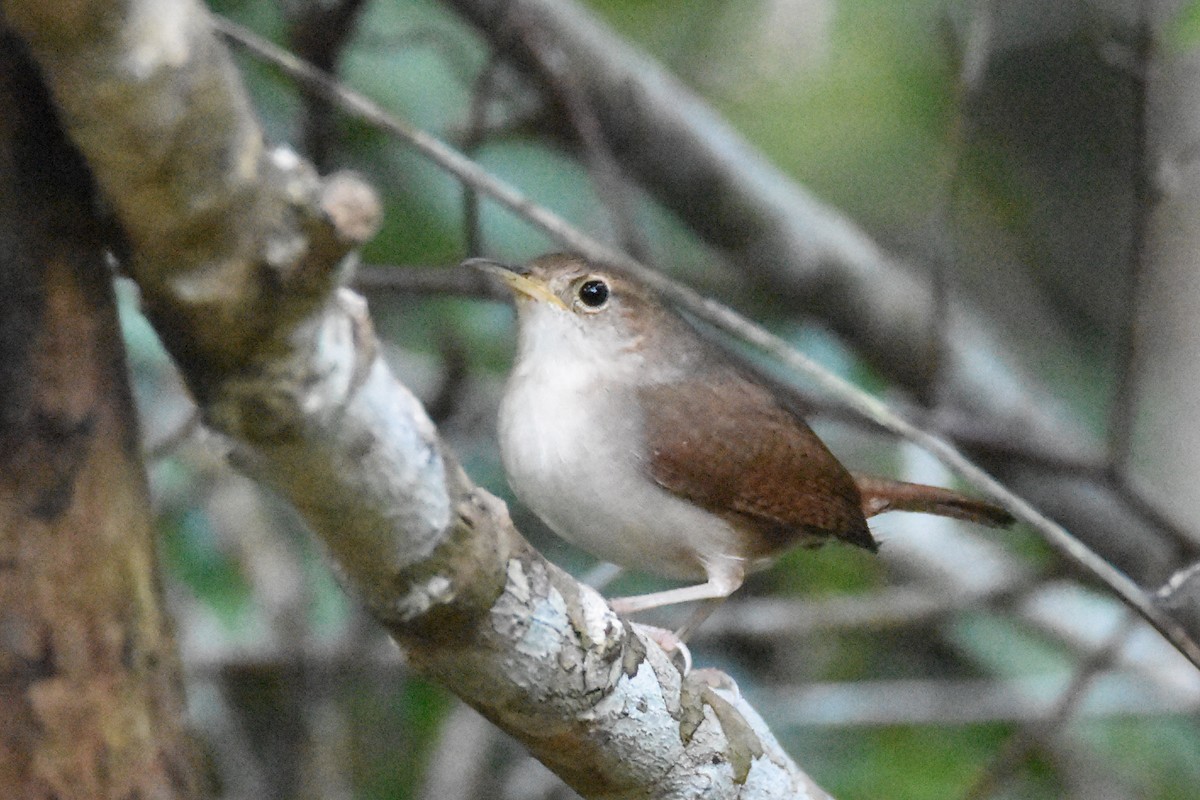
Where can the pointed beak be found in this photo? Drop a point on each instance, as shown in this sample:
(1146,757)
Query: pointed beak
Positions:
(518,279)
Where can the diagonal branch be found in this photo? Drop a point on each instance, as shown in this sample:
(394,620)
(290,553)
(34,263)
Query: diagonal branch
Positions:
(237,250)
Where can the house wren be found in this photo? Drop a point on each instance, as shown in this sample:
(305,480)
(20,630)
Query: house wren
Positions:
(637,440)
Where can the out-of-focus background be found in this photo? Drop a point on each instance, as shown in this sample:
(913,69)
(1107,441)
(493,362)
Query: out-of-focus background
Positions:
(1031,166)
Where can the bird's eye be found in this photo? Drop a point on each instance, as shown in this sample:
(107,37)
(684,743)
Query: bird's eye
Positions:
(593,293)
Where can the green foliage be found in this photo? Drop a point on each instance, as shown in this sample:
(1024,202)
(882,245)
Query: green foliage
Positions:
(1183,32)
(396,723)
(191,553)
(862,121)
(1160,757)
(912,762)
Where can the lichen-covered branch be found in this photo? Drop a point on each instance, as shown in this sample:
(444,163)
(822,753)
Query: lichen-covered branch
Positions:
(238,251)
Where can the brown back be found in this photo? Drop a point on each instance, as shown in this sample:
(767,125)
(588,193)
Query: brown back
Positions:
(727,444)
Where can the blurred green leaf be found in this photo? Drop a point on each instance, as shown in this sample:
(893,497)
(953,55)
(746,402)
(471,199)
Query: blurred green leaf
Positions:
(902,762)
(191,553)
(1161,756)
(1182,32)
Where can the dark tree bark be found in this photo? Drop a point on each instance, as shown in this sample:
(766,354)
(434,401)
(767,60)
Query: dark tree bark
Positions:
(90,697)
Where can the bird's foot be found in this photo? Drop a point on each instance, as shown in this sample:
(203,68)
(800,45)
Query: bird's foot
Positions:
(671,644)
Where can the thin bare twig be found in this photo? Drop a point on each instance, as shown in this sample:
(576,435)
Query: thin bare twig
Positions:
(1133,497)
(425,280)
(1179,580)
(153,451)
(1116,693)
(447,397)
(319,31)
(1071,548)
(887,608)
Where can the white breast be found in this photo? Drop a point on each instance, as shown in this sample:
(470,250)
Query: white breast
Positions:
(572,458)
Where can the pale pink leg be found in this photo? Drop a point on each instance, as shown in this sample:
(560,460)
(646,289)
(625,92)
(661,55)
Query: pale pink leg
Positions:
(718,586)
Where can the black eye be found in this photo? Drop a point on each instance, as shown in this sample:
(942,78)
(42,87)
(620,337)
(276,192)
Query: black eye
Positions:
(593,293)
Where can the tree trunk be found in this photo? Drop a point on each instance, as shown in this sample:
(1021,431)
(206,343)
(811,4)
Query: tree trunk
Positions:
(91,702)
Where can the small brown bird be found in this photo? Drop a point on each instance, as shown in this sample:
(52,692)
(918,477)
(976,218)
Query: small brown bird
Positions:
(639,441)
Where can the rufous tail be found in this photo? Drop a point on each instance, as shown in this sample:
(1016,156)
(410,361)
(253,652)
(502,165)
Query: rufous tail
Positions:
(884,494)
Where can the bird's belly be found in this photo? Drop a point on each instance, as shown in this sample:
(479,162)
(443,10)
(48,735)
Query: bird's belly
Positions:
(580,470)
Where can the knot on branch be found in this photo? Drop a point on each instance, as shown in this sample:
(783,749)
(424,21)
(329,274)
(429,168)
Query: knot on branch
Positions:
(352,207)
(445,594)
(320,224)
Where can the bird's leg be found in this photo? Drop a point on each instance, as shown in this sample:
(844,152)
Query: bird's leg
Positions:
(713,589)
(720,584)
(698,616)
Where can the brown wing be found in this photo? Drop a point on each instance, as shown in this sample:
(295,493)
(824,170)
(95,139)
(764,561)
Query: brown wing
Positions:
(728,445)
